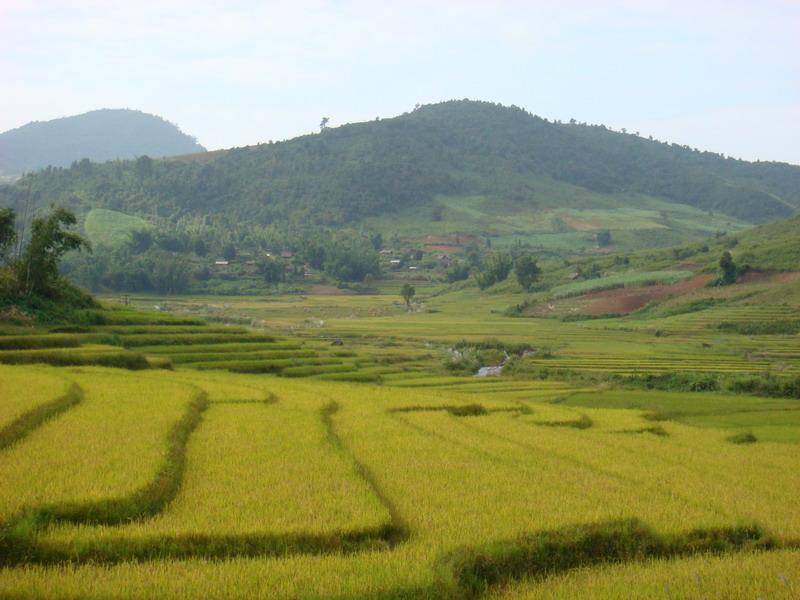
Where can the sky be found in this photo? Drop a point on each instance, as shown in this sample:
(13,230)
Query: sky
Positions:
(717,75)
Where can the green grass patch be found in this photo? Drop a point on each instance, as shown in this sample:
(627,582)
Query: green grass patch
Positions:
(634,279)
(110,228)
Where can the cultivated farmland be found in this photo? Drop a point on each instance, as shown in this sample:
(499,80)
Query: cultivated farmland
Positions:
(341,447)
(251,486)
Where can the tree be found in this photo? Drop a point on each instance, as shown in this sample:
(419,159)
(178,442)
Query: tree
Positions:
(351,259)
(170,274)
(728,269)
(7,233)
(141,240)
(273,271)
(229,252)
(407,292)
(200,248)
(458,272)
(144,166)
(527,272)
(50,240)
(323,124)
(497,269)
(603,238)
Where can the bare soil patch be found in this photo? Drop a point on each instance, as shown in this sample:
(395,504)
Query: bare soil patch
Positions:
(625,300)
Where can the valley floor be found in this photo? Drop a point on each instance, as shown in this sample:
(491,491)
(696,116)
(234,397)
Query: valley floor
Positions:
(328,447)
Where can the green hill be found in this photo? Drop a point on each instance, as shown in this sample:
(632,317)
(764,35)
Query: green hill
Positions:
(453,149)
(97,135)
(439,179)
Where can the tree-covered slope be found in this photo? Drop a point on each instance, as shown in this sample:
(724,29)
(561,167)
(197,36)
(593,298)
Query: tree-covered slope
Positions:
(454,149)
(98,135)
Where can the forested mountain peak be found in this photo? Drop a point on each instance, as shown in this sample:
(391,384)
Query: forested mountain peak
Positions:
(98,135)
(455,150)
(465,146)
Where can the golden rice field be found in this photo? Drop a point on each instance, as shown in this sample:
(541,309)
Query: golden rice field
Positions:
(192,483)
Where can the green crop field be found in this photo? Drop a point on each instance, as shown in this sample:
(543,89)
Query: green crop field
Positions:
(618,281)
(251,486)
(341,446)
(111,228)
(546,224)
(338,450)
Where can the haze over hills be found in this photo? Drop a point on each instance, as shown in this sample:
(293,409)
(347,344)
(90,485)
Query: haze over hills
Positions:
(98,135)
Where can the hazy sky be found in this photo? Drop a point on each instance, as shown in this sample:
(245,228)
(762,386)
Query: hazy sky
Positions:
(719,75)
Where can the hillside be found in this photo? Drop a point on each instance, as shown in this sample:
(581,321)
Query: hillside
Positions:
(97,135)
(682,280)
(452,149)
(444,180)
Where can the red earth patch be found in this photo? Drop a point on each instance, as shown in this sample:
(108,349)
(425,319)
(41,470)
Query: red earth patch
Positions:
(621,301)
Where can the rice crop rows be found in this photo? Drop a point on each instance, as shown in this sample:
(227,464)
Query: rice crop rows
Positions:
(384,492)
(303,480)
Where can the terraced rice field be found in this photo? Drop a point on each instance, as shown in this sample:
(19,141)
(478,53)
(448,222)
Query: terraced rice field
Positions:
(186,484)
(337,454)
(205,347)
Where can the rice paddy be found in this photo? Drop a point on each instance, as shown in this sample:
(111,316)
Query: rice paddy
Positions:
(335,453)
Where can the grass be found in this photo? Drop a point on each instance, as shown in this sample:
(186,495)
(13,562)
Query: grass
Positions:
(111,228)
(558,217)
(610,282)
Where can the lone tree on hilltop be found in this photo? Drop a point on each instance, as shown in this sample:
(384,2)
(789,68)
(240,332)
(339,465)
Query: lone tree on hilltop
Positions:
(407,292)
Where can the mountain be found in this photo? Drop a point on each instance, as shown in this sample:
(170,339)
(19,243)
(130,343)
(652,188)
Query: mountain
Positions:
(434,177)
(98,135)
